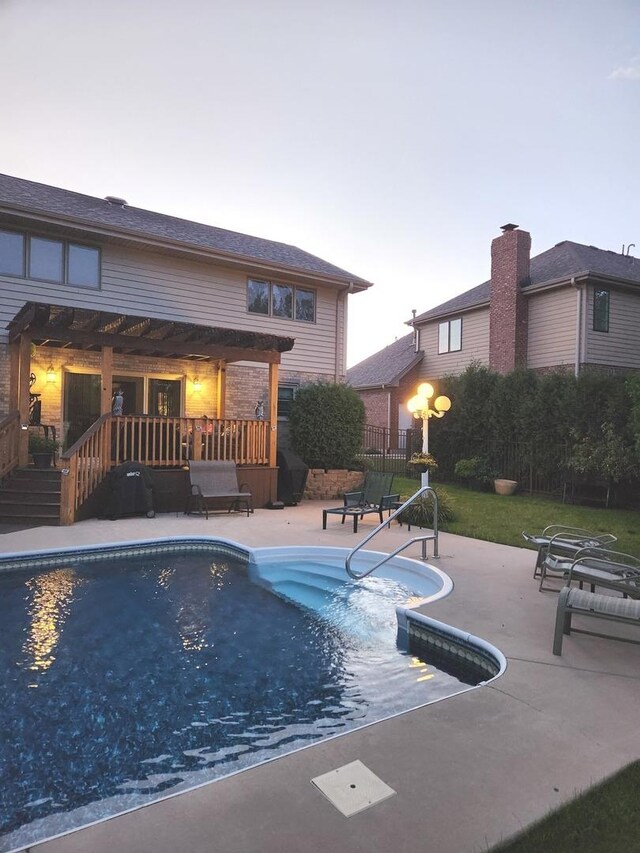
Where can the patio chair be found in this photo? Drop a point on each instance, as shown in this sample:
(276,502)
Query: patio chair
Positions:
(609,569)
(373,497)
(218,480)
(621,606)
(558,562)
(567,541)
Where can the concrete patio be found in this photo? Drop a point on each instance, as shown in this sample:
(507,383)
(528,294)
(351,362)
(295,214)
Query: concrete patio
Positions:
(468,771)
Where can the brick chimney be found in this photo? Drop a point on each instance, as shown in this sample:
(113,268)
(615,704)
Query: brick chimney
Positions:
(510,255)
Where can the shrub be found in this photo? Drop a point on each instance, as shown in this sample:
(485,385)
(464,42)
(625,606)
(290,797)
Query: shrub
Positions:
(326,422)
(420,513)
(477,472)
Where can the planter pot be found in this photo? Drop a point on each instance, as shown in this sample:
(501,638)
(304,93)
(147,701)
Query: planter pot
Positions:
(42,460)
(505,487)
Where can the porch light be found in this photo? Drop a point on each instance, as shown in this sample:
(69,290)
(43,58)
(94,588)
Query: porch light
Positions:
(51,373)
(419,407)
(197,384)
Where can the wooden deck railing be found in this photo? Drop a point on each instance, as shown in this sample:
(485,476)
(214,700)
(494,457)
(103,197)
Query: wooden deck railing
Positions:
(159,442)
(9,441)
(84,466)
(169,442)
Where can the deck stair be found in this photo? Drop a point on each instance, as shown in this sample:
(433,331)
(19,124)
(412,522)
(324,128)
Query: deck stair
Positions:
(31,496)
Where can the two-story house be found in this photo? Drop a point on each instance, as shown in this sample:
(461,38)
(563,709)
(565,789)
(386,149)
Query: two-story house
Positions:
(206,333)
(573,307)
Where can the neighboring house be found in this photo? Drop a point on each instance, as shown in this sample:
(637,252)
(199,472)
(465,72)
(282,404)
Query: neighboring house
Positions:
(385,381)
(571,308)
(187,320)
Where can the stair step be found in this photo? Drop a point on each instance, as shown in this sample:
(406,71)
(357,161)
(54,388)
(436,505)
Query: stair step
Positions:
(31,520)
(25,507)
(22,490)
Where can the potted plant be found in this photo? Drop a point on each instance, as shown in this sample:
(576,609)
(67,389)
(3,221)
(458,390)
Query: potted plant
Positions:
(504,487)
(42,450)
(420,512)
(421,462)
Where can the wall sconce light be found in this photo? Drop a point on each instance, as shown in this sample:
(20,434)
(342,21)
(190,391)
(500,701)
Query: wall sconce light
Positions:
(51,373)
(197,384)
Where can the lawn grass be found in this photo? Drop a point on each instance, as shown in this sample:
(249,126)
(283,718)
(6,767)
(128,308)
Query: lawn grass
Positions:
(495,518)
(605,819)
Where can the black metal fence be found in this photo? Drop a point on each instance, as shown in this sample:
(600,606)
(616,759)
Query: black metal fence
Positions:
(388,450)
(538,468)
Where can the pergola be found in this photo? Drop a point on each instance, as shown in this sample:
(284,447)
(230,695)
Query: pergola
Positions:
(108,332)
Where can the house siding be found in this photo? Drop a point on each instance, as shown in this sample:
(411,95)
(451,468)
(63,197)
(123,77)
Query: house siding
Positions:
(163,286)
(475,346)
(620,346)
(551,338)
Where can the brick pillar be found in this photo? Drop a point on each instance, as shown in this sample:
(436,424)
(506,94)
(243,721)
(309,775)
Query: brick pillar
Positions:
(510,254)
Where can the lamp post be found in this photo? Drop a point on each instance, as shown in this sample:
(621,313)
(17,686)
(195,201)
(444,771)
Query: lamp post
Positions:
(419,407)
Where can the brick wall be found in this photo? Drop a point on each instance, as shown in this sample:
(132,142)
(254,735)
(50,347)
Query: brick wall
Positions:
(510,255)
(248,384)
(376,407)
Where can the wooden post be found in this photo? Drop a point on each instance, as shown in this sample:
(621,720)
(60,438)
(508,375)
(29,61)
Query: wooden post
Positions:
(68,483)
(222,388)
(14,374)
(24,358)
(273,414)
(106,388)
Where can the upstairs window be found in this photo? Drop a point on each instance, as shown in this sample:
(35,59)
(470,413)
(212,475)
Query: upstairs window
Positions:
(83,265)
(600,310)
(11,253)
(47,259)
(450,336)
(281,300)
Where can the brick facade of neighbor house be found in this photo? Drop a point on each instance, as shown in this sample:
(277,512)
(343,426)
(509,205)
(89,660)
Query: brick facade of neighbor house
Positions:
(376,407)
(510,264)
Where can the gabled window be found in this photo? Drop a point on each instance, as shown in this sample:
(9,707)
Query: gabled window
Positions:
(450,336)
(600,310)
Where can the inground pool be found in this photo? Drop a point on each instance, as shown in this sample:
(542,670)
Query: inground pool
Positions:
(136,672)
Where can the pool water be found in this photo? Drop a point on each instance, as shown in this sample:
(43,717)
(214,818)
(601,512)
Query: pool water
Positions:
(143,676)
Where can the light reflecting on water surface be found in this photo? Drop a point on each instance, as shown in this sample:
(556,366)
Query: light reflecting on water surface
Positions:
(52,596)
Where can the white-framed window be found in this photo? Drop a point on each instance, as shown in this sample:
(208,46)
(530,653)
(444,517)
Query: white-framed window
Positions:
(450,336)
(275,299)
(47,259)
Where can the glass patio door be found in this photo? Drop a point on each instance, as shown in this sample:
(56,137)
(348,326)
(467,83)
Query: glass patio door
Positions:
(81,405)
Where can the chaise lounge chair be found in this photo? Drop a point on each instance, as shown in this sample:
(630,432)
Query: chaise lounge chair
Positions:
(565,542)
(619,574)
(218,480)
(373,497)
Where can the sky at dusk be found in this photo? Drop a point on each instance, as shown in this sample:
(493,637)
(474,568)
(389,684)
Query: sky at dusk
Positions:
(392,138)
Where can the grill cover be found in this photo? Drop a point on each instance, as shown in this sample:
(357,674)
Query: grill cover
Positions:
(130,491)
(292,477)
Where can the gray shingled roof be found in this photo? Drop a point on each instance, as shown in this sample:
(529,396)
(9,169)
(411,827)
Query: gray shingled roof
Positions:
(19,194)
(563,261)
(386,367)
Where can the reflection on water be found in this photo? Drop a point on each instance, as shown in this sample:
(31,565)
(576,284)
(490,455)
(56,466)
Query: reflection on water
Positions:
(189,593)
(53,594)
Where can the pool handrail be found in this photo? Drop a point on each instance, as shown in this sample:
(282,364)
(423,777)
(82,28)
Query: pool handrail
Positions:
(387,522)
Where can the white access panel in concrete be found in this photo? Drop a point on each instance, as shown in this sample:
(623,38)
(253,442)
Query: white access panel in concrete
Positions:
(352,788)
